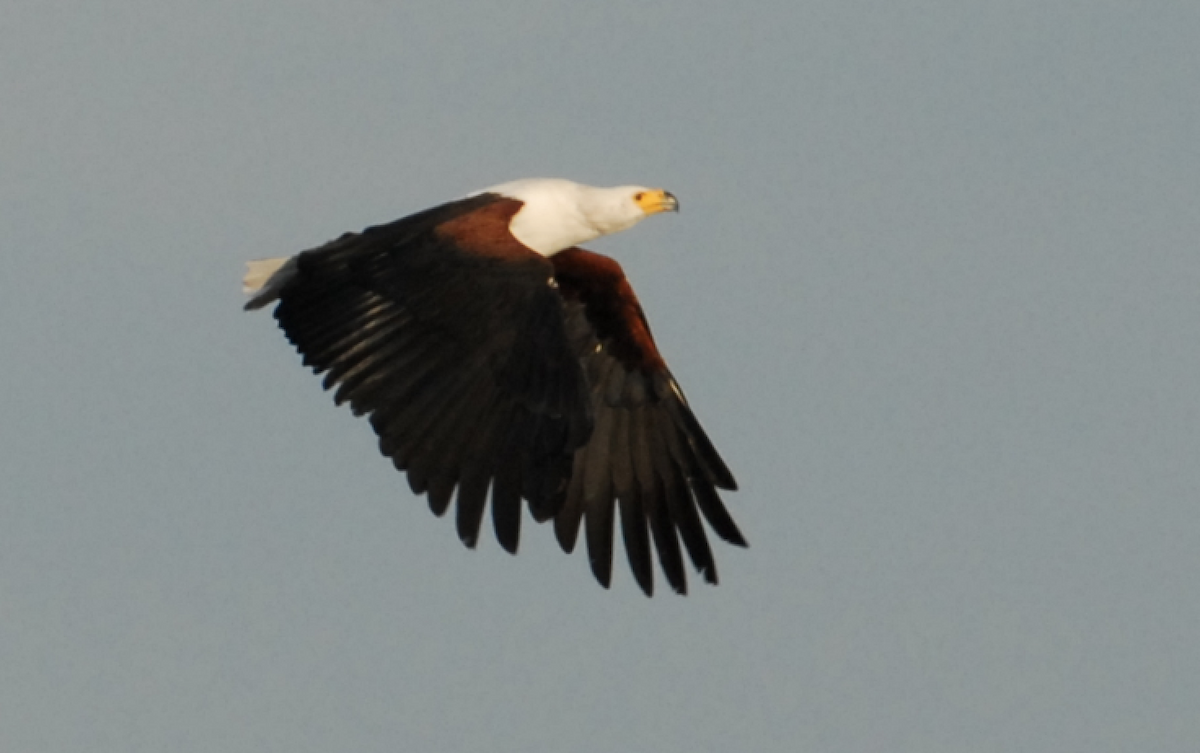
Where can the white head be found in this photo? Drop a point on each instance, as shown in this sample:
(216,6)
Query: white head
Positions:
(559,214)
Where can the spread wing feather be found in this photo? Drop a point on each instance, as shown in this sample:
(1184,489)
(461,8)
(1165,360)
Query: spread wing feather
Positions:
(455,350)
(648,456)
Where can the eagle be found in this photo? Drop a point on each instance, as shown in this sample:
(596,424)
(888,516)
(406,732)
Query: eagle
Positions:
(491,353)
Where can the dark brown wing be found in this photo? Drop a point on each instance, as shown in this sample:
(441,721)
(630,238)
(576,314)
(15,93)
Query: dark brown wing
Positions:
(647,455)
(450,335)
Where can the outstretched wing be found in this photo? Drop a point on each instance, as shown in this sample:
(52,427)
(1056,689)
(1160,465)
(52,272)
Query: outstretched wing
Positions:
(647,454)
(450,335)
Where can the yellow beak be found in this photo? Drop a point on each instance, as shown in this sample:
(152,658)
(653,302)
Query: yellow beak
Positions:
(657,200)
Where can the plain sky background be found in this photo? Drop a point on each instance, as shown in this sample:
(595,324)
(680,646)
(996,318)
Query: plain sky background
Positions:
(934,292)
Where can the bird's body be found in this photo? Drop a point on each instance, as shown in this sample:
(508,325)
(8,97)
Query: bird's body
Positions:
(493,354)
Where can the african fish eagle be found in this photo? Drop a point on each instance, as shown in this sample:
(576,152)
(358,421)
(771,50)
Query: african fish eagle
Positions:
(491,352)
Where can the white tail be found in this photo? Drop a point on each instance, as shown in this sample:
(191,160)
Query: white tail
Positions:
(265,278)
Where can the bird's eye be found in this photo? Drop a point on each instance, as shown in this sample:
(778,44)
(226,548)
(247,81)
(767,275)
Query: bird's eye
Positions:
(638,196)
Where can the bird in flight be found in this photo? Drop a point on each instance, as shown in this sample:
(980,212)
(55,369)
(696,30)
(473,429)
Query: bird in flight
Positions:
(490,352)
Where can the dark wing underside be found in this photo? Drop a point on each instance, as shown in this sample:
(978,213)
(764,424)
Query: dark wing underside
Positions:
(459,358)
(647,456)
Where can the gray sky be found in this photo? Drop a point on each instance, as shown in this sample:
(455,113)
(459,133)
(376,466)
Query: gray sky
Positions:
(933,292)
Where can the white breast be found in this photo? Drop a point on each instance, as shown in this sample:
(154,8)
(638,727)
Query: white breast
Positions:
(552,218)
